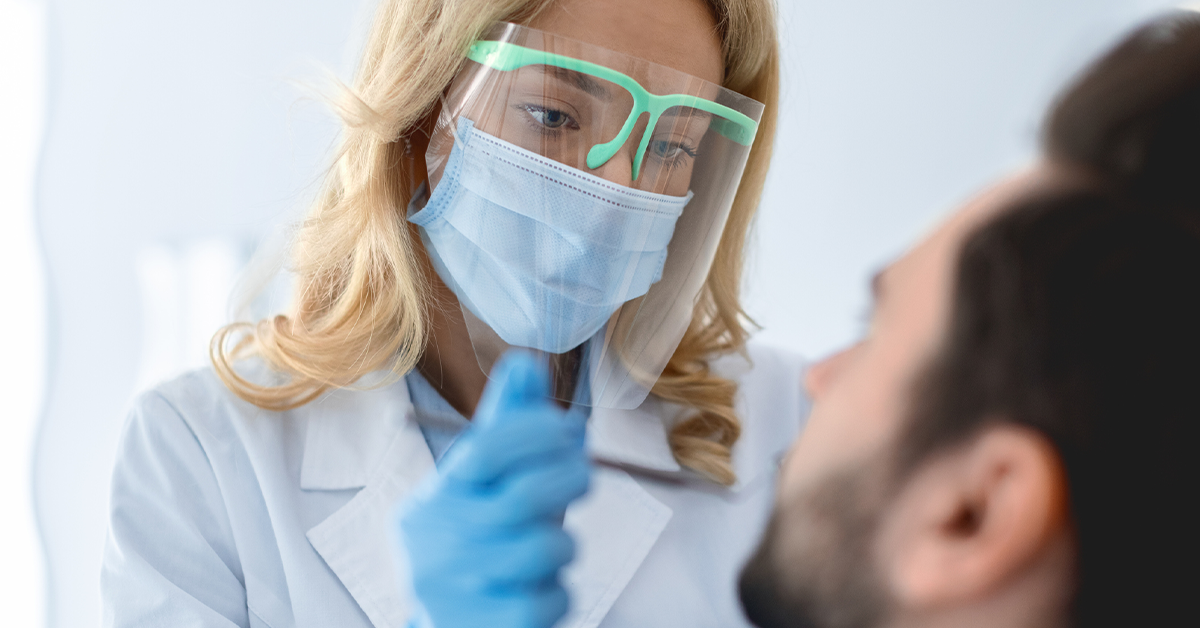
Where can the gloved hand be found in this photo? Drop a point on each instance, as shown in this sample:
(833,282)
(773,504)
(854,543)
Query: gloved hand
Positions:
(485,536)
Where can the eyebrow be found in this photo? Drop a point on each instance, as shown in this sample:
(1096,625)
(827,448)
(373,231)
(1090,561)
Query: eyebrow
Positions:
(587,84)
(689,114)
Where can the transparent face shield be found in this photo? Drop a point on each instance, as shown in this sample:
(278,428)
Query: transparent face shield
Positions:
(577,199)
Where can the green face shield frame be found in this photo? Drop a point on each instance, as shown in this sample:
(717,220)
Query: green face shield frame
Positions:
(732,124)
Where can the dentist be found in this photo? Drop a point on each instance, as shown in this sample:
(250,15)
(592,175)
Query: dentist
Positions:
(574,179)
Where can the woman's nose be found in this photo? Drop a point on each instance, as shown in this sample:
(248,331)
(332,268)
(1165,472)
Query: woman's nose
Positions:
(618,169)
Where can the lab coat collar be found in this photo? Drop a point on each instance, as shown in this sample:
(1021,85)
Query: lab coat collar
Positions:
(632,438)
(345,445)
(638,440)
(615,526)
(365,439)
(348,435)
(370,439)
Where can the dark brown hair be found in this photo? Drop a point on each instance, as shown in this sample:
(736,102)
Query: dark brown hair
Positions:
(1078,314)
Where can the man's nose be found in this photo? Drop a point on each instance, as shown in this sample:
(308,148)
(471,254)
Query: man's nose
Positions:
(820,376)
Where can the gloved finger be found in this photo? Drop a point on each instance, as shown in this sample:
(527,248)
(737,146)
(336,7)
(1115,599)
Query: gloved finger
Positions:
(514,419)
(485,459)
(537,491)
(539,607)
(531,557)
(534,554)
(543,492)
(524,607)
(526,556)
(518,380)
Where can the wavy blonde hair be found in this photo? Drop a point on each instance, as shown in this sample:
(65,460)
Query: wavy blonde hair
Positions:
(362,295)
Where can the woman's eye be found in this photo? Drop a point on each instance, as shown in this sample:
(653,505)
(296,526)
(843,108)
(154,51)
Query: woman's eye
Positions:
(666,149)
(549,118)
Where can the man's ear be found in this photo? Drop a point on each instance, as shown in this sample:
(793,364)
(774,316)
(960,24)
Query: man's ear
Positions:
(974,517)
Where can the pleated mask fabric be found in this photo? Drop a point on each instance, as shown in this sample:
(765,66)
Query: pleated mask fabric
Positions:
(541,252)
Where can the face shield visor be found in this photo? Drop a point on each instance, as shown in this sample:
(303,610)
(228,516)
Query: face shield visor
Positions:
(577,199)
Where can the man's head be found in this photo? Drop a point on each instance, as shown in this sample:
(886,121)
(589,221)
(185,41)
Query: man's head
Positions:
(1010,442)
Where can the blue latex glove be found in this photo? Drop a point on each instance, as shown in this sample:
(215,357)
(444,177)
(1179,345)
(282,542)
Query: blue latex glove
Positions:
(485,536)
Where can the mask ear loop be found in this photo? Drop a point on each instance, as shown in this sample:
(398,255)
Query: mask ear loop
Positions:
(444,124)
(446,113)
(415,180)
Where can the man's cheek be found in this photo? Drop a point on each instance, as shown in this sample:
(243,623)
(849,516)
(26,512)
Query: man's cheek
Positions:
(852,420)
(826,441)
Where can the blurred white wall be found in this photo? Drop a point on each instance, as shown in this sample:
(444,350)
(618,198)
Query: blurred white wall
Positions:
(22,307)
(175,142)
(176,137)
(893,114)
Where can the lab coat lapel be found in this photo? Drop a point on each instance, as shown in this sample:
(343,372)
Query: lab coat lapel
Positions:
(617,524)
(636,438)
(378,446)
(614,528)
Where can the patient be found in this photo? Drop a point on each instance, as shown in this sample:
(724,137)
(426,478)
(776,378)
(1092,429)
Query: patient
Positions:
(1013,443)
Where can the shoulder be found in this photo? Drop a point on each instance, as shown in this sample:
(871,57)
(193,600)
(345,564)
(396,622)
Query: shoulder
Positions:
(771,404)
(198,400)
(196,416)
(764,370)
(179,500)
(197,411)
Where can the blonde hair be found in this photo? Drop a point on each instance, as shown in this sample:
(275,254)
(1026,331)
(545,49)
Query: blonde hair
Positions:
(362,295)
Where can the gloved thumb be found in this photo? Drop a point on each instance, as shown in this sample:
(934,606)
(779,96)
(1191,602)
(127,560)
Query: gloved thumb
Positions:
(519,380)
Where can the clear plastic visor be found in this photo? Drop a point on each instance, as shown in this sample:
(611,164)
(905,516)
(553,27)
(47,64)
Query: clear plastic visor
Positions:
(578,199)
(624,119)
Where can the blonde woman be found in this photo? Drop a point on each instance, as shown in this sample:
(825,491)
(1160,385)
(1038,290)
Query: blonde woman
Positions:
(573,178)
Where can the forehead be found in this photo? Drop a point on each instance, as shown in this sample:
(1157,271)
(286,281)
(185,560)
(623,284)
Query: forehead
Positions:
(917,288)
(554,77)
(936,255)
(679,34)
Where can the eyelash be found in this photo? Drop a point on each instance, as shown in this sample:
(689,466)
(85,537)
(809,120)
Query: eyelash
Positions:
(541,127)
(537,125)
(687,150)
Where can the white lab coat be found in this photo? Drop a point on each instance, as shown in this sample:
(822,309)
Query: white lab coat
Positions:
(224,514)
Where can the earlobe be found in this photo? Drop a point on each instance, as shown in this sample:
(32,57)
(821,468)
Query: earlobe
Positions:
(977,517)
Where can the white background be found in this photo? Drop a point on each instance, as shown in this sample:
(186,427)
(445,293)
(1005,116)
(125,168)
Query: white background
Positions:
(170,138)
(893,114)
(22,307)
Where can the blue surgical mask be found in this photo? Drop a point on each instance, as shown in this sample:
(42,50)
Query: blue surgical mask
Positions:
(541,252)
